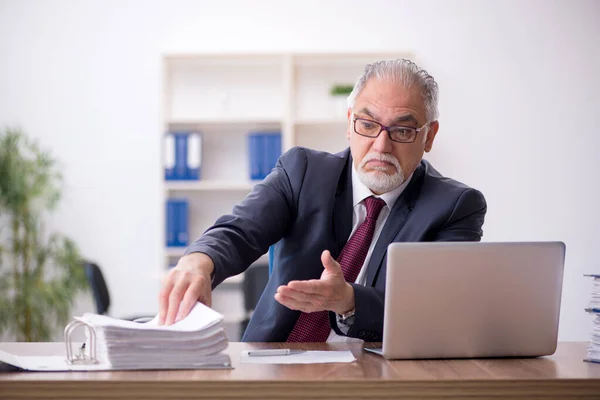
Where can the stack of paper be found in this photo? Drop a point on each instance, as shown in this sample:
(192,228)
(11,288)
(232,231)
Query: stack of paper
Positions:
(196,341)
(593,348)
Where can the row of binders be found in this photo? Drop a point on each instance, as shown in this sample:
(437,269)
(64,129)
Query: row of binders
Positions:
(593,347)
(183,154)
(264,149)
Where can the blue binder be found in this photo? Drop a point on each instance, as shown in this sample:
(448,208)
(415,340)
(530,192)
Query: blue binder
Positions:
(177,222)
(180,155)
(170,216)
(254,152)
(169,157)
(274,151)
(194,156)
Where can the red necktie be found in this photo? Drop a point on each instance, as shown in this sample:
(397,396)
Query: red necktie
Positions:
(314,327)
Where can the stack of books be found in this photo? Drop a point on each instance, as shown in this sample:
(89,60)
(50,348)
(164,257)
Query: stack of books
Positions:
(194,342)
(593,348)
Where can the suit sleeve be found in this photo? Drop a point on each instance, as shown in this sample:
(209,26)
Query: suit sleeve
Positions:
(368,317)
(466,220)
(238,239)
(464,224)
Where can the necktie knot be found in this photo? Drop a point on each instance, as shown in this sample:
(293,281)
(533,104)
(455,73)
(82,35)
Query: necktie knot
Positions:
(374,206)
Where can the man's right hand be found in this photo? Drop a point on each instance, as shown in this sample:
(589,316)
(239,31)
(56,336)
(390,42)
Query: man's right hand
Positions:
(187,283)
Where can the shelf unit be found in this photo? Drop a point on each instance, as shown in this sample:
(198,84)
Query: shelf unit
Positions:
(226,96)
(214,185)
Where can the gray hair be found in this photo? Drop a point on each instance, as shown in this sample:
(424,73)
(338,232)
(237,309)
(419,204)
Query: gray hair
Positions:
(405,72)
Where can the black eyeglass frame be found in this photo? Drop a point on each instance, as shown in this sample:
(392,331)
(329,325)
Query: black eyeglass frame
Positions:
(387,129)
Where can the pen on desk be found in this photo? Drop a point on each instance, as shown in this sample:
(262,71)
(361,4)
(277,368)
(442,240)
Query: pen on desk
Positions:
(272,352)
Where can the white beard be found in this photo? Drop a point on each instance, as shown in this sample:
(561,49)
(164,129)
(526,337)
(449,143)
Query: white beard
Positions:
(377,179)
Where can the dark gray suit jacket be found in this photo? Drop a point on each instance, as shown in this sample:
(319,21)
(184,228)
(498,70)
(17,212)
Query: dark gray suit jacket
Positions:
(305,207)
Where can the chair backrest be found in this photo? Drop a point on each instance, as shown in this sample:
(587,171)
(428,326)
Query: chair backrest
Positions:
(271,255)
(255,280)
(98,286)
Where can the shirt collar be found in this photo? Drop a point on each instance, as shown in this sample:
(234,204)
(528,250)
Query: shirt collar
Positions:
(361,192)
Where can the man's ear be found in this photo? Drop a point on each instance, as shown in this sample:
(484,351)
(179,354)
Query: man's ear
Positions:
(349,127)
(433,130)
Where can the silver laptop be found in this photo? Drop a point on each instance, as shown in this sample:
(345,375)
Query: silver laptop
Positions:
(469,299)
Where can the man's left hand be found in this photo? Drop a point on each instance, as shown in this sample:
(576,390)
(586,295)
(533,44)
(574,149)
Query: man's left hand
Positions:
(331,292)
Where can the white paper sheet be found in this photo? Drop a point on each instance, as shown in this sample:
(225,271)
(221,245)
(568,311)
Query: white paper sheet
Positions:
(46,363)
(200,318)
(308,357)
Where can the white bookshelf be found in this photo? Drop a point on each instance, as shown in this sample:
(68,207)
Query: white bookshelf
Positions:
(214,185)
(226,96)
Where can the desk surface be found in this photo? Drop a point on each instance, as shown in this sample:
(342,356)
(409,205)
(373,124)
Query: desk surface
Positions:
(562,375)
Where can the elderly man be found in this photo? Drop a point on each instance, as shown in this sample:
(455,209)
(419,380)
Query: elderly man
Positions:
(332,216)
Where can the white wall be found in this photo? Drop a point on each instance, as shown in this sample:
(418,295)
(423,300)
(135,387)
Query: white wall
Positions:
(520,92)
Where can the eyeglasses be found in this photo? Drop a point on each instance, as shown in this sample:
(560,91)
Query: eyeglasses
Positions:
(396,133)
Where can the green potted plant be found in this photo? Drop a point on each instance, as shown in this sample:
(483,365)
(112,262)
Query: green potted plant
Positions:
(339,94)
(40,274)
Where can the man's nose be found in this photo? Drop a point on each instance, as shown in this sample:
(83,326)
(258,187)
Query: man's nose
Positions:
(383,143)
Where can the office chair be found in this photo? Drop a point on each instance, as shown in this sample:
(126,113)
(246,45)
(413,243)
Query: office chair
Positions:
(255,280)
(100,291)
(98,286)
(271,256)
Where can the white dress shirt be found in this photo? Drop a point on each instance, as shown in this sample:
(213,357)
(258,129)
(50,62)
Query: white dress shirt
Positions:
(359,213)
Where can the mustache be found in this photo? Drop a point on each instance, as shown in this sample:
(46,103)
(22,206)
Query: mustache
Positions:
(380,157)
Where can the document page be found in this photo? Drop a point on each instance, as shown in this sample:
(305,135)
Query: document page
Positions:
(307,357)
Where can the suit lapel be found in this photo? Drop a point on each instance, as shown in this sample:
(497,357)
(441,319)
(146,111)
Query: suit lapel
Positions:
(395,222)
(342,209)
